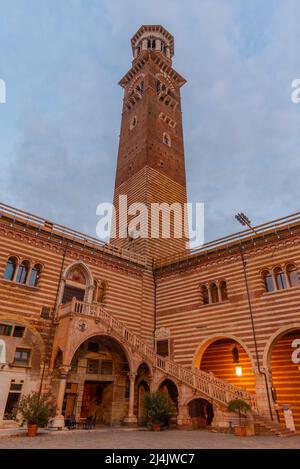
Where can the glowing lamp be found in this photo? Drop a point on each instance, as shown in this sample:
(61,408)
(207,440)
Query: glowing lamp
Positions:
(238,371)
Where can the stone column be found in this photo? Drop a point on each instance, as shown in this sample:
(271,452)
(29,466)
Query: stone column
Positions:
(59,420)
(131,418)
(219,292)
(29,273)
(183,418)
(209,293)
(263,397)
(14,279)
(274,280)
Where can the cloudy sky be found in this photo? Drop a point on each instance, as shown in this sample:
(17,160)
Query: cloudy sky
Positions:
(62,59)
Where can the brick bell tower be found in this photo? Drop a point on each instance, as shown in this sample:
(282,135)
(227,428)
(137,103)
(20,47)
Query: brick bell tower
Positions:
(150,167)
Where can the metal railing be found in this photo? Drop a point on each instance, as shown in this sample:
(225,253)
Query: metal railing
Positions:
(213,387)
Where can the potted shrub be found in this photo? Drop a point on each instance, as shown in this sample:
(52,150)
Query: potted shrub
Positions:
(158,407)
(36,410)
(241,407)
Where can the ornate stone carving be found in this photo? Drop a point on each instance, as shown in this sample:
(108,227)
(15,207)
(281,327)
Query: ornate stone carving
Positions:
(82,325)
(162,333)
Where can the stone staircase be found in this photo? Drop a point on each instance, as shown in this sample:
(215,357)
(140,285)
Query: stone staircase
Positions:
(207,384)
(265,426)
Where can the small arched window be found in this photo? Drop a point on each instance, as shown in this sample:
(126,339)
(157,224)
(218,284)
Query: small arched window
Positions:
(166,139)
(268,280)
(280,278)
(235,354)
(223,289)
(214,293)
(140,86)
(153,44)
(10,268)
(205,297)
(133,122)
(22,272)
(292,275)
(34,276)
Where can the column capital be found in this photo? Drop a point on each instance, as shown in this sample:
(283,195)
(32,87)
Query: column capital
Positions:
(63,371)
(131,375)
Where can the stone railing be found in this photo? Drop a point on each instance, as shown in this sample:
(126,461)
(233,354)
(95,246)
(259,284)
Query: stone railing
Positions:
(206,383)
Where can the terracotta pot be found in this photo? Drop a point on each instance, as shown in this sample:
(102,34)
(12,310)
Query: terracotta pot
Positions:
(240,431)
(32,429)
(156,427)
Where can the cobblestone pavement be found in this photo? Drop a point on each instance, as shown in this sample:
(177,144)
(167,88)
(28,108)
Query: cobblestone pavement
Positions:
(132,439)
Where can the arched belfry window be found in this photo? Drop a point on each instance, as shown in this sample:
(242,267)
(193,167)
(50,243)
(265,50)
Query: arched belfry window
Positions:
(214,293)
(10,268)
(75,284)
(151,44)
(223,290)
(268,280)
(205,296)
(280,278)
(292,275)
(22,272)
(35,275)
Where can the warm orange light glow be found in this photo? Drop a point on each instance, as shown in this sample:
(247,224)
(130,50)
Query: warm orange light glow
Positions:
(238,371)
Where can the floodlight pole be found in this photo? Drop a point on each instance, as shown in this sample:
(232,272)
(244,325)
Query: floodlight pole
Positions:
(245,221)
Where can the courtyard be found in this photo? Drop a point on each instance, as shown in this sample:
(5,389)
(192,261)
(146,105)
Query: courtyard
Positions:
(142,439)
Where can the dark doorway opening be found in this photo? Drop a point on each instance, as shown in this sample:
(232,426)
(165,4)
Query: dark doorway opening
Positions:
(11,404)
(97,401)
(201,412)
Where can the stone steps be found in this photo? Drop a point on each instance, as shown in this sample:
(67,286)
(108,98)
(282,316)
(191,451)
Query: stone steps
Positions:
(265,426)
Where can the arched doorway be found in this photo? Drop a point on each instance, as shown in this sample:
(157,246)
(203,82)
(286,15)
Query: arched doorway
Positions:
(141,387)
(97,384)
(283,357)
(228,360)
(170,387)
(201,412)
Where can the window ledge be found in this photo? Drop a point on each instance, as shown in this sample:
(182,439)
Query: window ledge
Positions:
(20,285)
(283,290)
(216,304)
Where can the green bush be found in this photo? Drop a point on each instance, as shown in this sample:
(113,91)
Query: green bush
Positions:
(158,406)
(36,409)
(240,406)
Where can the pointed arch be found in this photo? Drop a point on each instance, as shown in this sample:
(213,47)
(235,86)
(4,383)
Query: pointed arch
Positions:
(86,283)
